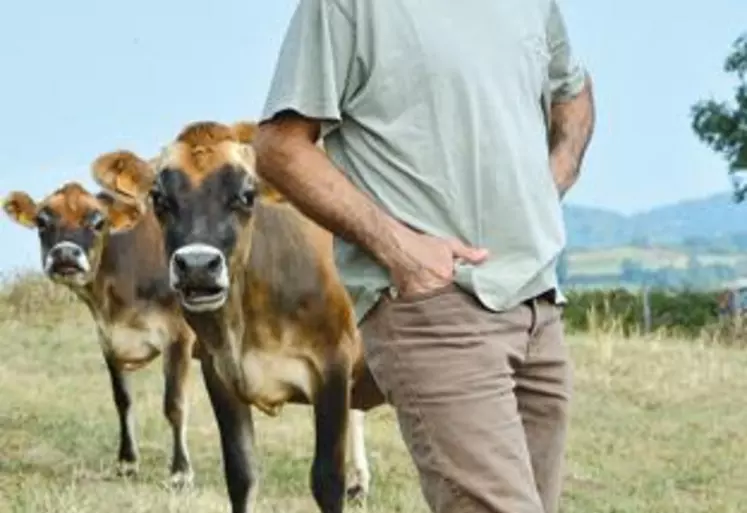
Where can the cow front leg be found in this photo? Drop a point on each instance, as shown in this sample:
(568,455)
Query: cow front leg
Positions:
(236,428)
(177,361)
(127,457)
(331,408)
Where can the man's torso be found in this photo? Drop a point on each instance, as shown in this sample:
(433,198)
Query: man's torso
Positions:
(448,134)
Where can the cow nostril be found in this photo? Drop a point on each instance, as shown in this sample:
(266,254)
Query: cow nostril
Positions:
(214,263)
(180,263)
(76,252)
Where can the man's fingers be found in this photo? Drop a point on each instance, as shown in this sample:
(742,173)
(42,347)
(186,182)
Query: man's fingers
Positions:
(468,253)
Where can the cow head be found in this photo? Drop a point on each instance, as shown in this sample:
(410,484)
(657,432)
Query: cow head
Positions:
(73,226)
(203,188)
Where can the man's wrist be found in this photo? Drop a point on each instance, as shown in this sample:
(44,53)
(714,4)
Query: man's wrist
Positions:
(387,247)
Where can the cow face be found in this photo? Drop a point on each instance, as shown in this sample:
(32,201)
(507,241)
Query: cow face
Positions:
(203,188)
(73,226)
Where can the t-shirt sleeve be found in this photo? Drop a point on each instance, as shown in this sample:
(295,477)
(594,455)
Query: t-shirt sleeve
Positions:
(567,74)
(316,73)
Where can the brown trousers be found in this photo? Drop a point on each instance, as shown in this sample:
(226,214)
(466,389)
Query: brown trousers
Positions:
(481,397)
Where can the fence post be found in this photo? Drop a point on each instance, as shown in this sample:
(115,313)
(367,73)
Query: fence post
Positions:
(646,310)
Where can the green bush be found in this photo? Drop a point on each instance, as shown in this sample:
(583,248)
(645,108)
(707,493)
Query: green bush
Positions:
(686,312)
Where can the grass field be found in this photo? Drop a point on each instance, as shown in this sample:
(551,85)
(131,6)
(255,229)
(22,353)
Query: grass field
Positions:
(659,426)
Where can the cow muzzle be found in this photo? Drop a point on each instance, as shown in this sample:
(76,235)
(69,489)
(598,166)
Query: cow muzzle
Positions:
(67,262)
(199,274)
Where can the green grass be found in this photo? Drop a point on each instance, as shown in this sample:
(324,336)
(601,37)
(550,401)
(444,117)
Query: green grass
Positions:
(658,426)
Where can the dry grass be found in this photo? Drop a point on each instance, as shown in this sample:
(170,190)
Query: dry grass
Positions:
(659,426)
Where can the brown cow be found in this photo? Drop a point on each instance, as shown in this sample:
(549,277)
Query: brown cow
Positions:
(259,286)
(88,244)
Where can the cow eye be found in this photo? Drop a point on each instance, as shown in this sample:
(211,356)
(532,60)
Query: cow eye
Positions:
(97,221)
(161,202)
(245,197)
(43,220)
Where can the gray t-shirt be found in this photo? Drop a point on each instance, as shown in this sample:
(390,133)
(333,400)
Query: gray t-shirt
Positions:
(437,110)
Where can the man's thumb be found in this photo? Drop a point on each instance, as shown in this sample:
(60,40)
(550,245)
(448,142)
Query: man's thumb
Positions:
(468,253)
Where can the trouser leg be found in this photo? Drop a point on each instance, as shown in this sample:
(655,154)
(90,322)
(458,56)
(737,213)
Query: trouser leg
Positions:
(543,391)
(447,366)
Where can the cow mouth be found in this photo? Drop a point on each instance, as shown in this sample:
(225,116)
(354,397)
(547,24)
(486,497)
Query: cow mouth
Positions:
(67,270)
(205,298)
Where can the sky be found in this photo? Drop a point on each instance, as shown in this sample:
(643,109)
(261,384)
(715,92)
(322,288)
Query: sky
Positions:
(85,77)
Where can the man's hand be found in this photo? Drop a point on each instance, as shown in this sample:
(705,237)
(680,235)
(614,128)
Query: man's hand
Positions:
(572,123)
(423,263)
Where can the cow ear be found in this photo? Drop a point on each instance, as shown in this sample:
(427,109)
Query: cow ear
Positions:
(122,216)
(245,131)
(125,175)
(21,208)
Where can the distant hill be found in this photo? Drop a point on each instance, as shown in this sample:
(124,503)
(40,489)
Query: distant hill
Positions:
(713,222)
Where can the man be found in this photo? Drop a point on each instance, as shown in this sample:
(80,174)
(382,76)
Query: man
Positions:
(452,130)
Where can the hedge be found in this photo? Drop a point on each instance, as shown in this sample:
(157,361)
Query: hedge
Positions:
(687,312)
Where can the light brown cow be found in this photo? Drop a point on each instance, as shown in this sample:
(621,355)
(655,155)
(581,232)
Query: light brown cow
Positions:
(259,286)
(88,243)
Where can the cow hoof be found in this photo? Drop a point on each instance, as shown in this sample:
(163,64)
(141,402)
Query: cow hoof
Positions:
(181,480)
(357,493)
(127,469)
(358,486)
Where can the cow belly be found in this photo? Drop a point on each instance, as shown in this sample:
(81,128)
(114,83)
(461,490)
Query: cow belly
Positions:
(137,346)
(271,380)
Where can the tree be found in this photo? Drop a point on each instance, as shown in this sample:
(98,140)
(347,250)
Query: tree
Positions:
(723,127)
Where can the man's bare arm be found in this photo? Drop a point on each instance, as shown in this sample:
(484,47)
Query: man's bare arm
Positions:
(570,132)
(289,159)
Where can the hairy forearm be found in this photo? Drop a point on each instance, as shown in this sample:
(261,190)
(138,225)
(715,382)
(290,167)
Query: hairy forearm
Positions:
(302,173)
(570,132)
